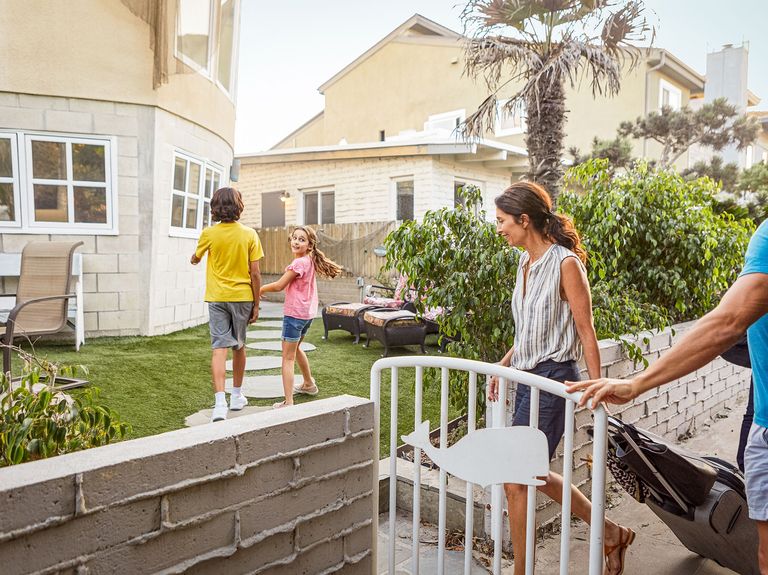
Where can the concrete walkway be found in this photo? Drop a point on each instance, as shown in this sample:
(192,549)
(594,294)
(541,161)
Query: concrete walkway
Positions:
(656,550)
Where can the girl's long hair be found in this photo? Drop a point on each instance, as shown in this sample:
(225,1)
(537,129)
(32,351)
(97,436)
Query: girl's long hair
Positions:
(534,201)
(323,265)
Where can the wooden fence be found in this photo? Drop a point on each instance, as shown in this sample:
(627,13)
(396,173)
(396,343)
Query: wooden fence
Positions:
(349,245)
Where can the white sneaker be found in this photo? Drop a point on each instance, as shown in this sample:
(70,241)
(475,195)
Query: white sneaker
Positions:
(237,402)
(219,413)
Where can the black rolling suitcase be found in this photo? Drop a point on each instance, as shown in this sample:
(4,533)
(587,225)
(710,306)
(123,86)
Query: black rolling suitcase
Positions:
(701,499)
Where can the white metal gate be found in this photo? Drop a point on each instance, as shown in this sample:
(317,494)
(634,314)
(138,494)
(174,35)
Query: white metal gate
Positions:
(505,374)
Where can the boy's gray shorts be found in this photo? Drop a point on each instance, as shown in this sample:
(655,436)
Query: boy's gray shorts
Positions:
(756,472)
(228,321)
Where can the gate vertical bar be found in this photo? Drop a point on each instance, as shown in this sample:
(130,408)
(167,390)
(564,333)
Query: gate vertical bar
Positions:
(469,511)
(500,420)
(393,395)
(375,396)
(417,415)
(444,373)
(565,515)
(530,520)
(599,446)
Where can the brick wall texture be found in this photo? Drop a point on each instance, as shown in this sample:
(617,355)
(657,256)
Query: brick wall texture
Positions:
(672,411)
(283,492)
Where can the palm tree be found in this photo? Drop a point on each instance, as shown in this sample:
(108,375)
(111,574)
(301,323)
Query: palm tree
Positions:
(552,41)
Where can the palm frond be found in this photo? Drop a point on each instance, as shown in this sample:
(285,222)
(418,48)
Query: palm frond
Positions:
(623,28)
(495,56)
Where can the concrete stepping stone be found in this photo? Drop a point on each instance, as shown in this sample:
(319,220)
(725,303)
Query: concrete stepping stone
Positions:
(264,334)
(277,346)
(268,323)
(204,415)
(262,386)
(257,362)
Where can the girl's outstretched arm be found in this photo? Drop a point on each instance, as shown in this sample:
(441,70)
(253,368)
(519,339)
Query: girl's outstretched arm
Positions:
(280,284)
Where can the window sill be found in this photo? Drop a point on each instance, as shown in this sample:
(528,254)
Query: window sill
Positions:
(182,233)
(60,231)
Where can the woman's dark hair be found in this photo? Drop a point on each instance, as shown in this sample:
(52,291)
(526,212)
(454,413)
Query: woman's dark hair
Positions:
(533,200)
(226,205)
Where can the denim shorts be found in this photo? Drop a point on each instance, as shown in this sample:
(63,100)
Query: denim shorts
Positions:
(551,407)
(756,472)
(294,328)
(228,322)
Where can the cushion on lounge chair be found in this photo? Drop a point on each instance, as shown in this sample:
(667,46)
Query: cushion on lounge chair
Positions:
(383,302)
(345,309)
(403,318)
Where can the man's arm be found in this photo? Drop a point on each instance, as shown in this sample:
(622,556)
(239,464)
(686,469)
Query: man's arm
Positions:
(255,273)
(742,305)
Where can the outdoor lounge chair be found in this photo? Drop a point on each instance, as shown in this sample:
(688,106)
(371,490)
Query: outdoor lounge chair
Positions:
(394,328)
(42,297)
(347,316)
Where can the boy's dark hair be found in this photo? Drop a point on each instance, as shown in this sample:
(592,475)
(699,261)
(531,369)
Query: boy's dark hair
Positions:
(226,205)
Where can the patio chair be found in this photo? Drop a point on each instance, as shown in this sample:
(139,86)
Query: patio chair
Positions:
(347,316)
(394,328)
(42,297)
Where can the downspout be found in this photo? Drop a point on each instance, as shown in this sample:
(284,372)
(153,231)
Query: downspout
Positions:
(661,63)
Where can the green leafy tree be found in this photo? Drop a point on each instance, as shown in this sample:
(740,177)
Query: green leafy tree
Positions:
(656,236)
(716,125)
(618,152)
(48,422)
(754,179)
(546,44)
(725,175)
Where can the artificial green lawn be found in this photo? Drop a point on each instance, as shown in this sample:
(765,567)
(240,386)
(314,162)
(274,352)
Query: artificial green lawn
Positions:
(153,383)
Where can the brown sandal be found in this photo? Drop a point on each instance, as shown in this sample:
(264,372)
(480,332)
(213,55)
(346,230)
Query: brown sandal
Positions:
(626,537)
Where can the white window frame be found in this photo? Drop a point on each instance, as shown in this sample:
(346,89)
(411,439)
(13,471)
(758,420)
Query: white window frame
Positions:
(184,232)
(214,32)
(319,191)
(15,181)
(498,130)
(393,194)
(21,147)
(749,158)
(433,122)
(673,90)
(764,157)
(465,181)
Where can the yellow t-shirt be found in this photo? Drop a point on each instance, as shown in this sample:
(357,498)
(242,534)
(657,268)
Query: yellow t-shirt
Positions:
(231,248)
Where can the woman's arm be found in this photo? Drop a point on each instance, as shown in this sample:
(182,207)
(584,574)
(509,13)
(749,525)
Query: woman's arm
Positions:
(575,287)
(280,284)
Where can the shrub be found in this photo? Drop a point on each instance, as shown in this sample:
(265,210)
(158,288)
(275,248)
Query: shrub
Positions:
(655,236)
(35,425)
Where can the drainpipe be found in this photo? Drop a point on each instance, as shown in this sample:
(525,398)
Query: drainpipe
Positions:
(661,63)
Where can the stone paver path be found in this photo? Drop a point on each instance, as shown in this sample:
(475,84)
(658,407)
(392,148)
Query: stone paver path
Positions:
(264,334)
(255,363)
(277,346)
(269,323)
(262,386)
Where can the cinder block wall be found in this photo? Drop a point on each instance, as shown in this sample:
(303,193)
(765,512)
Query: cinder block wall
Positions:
(281,492)
(671,411)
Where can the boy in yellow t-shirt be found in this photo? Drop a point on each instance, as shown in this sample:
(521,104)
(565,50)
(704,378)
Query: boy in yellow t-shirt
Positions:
(232,284)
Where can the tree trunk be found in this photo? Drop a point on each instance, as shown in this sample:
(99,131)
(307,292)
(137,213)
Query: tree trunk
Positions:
(544,140)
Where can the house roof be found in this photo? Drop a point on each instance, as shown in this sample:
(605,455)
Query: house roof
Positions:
(416,25)
(489,153)
(676,69)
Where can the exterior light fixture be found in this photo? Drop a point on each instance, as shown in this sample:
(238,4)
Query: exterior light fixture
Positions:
(284,196)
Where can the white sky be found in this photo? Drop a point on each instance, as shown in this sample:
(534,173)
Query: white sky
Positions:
(289,48)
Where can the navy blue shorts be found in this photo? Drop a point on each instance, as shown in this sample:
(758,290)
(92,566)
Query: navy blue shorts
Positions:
(294,328)
(551,407)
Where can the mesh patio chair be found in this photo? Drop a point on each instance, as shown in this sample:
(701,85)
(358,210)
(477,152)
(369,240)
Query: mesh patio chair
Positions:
(42,297)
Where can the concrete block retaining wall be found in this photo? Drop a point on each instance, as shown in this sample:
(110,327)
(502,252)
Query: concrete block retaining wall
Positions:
(672,411)
(289,491)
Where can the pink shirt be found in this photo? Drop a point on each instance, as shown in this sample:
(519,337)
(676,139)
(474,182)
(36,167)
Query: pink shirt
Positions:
(301,293)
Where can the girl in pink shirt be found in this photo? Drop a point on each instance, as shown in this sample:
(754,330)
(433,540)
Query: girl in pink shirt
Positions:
(300,307)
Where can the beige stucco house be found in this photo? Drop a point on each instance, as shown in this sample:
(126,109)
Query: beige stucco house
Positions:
(361,155)
(116,123)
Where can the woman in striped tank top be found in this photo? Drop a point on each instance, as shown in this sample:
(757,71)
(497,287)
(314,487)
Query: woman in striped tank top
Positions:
(552,311)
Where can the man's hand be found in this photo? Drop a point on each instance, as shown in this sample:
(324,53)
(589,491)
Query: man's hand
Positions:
(608,390)
(254,313)
(194,260)
(493,389)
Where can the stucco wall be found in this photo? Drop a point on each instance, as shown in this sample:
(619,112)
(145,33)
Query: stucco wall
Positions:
(288,491)
(671,411)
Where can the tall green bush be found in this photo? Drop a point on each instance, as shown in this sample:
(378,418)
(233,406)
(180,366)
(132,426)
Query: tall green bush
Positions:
(654,235)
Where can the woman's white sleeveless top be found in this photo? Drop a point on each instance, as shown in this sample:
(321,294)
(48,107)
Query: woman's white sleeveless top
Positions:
(544,324)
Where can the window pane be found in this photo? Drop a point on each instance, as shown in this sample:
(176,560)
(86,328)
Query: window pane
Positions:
(226,43)
(88,163)
(206,214)
(458,199)
(177,210)
(216,181)
(329,208)
(90,205)
(6,202)
(179,174)
(6,162)
(310,208)
(191,213)
(50,203)
(208,183)
(49,160)
(194,179)
(405,200)
(194,23)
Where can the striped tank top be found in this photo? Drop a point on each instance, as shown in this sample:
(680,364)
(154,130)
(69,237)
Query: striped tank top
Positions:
(544,324)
